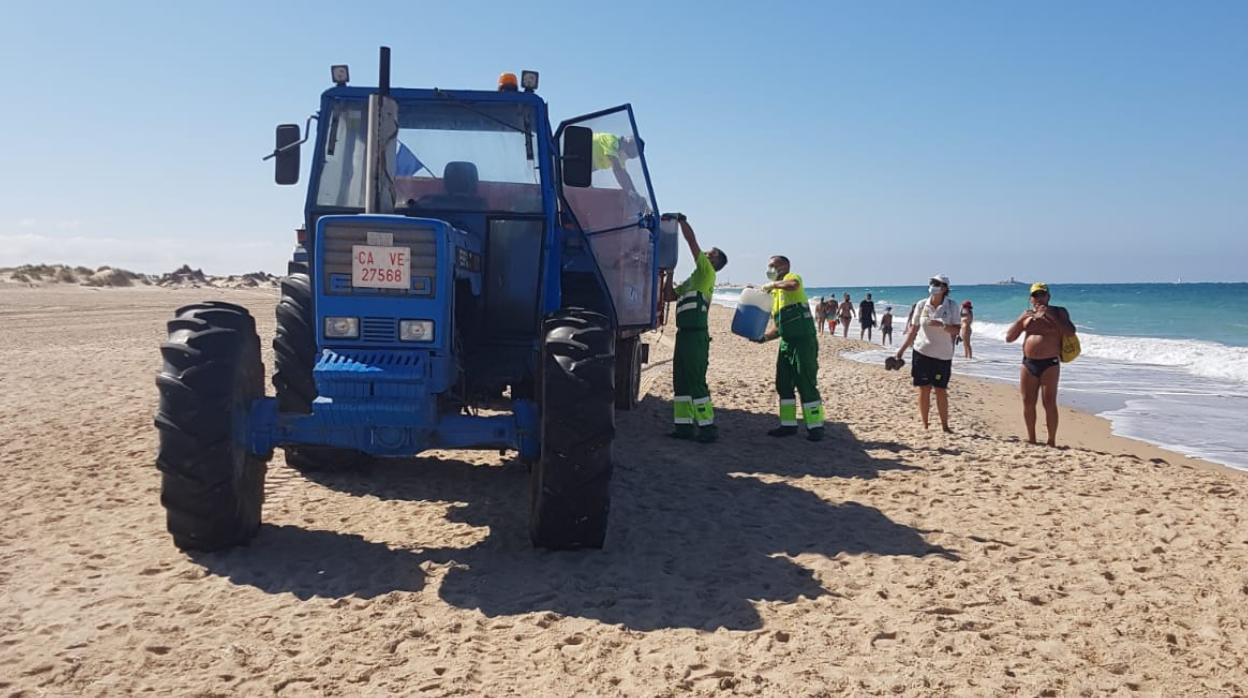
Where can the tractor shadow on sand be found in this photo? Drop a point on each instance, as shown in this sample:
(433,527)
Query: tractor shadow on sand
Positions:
(699,533)
(313,562)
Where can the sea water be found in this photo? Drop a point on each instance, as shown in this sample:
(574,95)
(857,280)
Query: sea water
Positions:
(1165,363)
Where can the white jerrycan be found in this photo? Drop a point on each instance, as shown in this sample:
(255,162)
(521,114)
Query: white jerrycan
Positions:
(753,312)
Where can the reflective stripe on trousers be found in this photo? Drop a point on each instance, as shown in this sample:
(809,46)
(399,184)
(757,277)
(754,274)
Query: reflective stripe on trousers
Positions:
(813,412)
(788,413)
(682,409)
(704,411)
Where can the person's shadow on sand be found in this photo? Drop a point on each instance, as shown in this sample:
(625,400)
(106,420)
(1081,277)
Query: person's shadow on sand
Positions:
(699,533)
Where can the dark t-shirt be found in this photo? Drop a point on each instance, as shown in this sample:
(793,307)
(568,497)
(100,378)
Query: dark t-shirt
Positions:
(866,310)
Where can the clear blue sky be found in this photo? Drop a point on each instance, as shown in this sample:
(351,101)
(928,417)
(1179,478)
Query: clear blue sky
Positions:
(875,143)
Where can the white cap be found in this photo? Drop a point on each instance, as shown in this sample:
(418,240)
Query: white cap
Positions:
(942,278)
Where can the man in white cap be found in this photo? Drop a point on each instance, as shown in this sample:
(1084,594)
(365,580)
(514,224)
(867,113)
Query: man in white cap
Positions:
(932,325)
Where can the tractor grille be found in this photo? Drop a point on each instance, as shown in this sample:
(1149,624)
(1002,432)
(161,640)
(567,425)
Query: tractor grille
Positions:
(379,329)
(421,243)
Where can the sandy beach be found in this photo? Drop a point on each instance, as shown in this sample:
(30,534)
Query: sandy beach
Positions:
(884,560)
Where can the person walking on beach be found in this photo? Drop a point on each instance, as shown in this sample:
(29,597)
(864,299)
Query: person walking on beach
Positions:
(821,313)
(866,317)
(1045,326)
(797,363)
(692,411)
(847,314)
(967,317)
(933,323)
(886,326)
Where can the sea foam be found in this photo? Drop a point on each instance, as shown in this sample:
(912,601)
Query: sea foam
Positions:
(1200,358)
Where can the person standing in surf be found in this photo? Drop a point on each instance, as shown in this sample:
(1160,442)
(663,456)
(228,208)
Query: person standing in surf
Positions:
(1044,326)
(968,317)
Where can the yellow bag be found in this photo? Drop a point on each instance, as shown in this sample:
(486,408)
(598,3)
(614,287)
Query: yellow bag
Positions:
(1070,348)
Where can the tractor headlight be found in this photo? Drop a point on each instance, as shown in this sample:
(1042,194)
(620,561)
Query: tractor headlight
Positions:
(342,327)
(416,330)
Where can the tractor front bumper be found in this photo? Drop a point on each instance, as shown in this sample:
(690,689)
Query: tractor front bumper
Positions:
(382,407)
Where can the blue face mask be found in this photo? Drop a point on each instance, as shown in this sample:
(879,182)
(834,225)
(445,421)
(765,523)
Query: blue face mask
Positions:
(934,289)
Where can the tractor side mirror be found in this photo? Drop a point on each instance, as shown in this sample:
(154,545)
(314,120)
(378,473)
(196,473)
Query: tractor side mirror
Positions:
(578,156)
(286,150)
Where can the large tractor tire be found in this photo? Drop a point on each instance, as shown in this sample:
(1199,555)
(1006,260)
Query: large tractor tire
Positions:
(294,346)
(570,484)
(212,487)
(627,373)
(294,356)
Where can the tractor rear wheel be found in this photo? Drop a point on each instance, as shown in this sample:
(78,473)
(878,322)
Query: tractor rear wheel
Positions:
(294,356)
(570,483)
(627,373)
(212,486)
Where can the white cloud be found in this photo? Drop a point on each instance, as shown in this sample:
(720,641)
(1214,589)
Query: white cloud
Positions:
(27,223)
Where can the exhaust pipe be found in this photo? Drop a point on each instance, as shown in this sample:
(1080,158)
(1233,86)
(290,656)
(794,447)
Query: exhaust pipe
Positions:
(381,143)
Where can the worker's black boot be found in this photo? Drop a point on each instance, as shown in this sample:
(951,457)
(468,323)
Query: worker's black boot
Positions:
(687,432)
(815,434)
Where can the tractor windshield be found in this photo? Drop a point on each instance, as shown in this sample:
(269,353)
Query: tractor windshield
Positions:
(450,156)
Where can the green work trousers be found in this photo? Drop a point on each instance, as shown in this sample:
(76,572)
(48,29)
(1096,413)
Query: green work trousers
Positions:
(692,403)
(797,367)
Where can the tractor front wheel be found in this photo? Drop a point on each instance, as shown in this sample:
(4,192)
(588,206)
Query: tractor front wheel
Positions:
(212,486)
(570,483)
(294,356)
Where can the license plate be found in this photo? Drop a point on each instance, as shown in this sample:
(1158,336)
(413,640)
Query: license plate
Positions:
(380,267)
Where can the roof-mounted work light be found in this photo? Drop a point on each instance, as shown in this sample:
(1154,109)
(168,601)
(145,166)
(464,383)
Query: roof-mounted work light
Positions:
(340,74)
(528,80)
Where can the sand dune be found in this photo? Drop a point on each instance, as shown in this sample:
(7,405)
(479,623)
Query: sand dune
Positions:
(885,560)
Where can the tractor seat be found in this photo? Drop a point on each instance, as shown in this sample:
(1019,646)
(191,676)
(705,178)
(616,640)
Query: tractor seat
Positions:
(460,181)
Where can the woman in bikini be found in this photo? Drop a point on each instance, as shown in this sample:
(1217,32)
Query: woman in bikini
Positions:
(847,313)
(967,317)
(1044,325)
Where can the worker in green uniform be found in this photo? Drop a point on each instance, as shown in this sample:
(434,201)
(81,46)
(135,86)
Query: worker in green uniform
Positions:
(797,364)
(692,411)
(611,152)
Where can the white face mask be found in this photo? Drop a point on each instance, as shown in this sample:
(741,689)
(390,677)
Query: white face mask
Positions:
(772,273)
(934,289)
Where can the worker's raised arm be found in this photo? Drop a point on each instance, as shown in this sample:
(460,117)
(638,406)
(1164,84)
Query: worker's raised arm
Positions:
(623,178)
(686,231)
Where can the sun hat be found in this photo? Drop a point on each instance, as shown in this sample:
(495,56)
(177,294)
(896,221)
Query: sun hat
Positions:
(1039,287)
(942,278)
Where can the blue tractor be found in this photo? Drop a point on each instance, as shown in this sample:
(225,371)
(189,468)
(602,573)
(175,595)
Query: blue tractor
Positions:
(466,277)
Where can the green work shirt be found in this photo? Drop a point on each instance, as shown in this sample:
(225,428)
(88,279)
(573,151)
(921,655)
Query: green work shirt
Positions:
(791,310)
(606,148)
(693,295)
